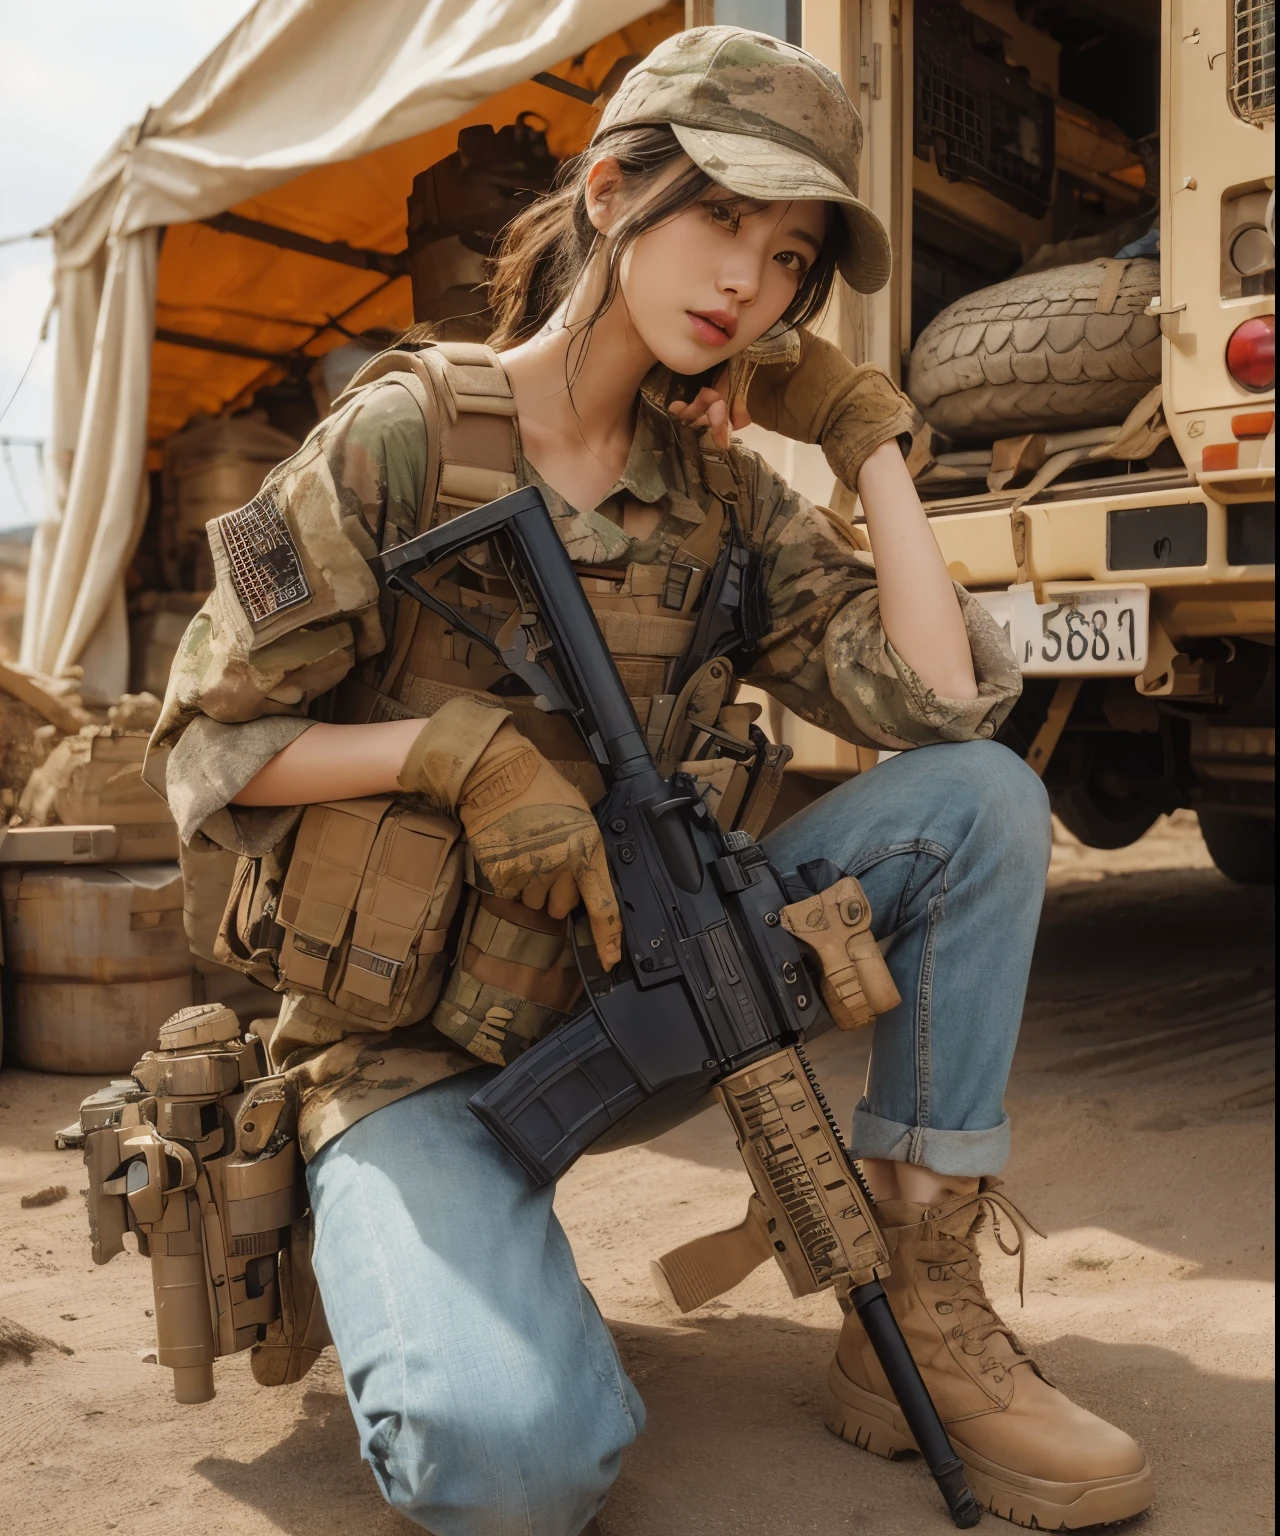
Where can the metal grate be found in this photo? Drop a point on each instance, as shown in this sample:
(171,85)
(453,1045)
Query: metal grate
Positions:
(1253,60)
(977,118)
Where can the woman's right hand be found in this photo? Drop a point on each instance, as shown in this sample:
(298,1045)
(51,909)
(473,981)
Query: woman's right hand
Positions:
(534,839)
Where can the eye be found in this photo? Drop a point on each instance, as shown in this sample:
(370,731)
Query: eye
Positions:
(793,262)
(725,216)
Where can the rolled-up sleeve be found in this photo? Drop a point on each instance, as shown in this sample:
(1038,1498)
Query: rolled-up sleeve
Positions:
(209,766)
(886,698)
(826,655)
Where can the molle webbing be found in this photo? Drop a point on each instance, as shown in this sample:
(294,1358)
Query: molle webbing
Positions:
(514,979)
(646,637)
(647,612)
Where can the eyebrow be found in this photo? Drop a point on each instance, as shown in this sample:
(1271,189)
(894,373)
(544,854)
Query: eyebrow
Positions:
(803,234)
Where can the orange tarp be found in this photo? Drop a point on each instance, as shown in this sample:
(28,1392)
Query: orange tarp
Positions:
(246,292)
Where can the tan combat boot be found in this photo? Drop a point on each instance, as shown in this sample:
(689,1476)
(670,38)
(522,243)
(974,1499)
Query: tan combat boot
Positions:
(1029,1453)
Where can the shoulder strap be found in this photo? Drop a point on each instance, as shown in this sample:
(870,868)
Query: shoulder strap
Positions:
(469,416)
(479,440)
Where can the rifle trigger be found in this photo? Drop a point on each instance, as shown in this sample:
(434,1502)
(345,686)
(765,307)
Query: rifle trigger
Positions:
(674,804)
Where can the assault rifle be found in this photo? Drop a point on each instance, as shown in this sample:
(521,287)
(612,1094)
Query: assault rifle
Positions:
(714,991)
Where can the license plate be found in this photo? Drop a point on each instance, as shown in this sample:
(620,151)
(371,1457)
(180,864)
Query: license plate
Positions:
(1093,629)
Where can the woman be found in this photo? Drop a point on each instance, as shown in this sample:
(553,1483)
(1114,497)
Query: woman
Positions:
(707,219)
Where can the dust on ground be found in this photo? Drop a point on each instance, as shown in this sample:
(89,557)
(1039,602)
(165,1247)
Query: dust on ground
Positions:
(1142,1101)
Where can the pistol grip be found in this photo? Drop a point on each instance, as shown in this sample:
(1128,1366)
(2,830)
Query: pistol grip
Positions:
(694,1273)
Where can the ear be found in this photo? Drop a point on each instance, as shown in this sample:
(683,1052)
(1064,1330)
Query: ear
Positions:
(604,192)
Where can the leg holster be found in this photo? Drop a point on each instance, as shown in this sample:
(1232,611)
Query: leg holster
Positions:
(196,1154)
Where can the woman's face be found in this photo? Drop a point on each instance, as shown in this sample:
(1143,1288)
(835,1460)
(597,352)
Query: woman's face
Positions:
(705,284)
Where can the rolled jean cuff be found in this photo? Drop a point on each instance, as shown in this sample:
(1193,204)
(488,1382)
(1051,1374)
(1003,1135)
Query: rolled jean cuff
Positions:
(966,1154)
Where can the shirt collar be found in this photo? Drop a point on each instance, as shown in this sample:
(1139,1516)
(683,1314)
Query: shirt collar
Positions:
(647,475)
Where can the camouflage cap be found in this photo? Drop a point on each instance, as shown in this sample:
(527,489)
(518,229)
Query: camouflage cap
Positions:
(764,119)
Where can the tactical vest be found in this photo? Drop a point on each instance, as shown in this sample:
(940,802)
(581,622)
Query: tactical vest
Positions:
(647,613)
(512,974)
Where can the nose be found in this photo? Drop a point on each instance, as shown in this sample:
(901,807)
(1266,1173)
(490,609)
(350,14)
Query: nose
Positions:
(741,281)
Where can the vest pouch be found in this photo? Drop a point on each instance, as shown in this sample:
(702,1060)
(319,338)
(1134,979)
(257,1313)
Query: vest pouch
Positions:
(515,979)
(330,857)
(367,906)
(249,936)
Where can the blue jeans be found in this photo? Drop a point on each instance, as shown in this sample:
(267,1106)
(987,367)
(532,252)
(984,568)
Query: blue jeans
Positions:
(488,1394)
(951,844)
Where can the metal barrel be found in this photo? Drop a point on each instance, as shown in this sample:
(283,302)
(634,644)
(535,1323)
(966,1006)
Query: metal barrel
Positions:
(876,1316)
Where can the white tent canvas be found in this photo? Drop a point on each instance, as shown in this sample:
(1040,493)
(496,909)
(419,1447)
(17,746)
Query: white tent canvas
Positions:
(297,84)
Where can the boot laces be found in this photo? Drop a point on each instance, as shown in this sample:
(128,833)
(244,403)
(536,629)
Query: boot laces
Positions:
(987,1200)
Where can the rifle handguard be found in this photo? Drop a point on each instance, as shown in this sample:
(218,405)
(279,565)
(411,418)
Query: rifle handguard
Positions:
(809,1211)
(836,925)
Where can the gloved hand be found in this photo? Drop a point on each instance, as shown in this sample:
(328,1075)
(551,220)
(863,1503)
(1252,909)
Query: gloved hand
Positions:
(810,392)
(823,398)
(531,833)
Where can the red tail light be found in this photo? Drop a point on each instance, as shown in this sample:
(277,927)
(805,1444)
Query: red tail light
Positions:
(1251,354)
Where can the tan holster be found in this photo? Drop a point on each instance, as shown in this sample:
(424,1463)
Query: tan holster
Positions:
(836,925)
(196,1154)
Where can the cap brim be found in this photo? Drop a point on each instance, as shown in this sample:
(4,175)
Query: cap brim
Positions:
(763,169)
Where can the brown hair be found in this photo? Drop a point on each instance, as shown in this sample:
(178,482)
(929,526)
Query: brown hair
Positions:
(544,248)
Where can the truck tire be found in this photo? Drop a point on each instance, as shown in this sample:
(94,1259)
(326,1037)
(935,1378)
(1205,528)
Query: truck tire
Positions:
(1033,355)
(1243,847)
(1103,820)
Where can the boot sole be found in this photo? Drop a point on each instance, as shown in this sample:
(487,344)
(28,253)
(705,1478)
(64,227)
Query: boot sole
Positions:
(876,1424)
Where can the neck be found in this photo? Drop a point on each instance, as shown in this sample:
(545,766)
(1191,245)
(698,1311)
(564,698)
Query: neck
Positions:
(578,389)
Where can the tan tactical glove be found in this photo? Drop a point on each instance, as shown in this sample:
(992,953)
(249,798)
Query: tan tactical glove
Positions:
(531,833)
(824,399)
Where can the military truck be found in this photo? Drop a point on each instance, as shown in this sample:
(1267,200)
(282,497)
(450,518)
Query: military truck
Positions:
(1081,197)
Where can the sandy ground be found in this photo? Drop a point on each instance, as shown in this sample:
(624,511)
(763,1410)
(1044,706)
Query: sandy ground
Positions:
(1142,1100)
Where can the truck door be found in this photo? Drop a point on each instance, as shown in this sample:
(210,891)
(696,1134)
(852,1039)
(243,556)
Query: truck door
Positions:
(1217,252)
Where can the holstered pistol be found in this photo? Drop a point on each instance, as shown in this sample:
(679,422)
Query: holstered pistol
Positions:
(195,1154)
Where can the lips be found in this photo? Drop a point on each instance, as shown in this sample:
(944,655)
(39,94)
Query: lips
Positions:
(717,327)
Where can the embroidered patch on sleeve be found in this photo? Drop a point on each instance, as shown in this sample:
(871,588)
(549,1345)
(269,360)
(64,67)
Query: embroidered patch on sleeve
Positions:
(266,569)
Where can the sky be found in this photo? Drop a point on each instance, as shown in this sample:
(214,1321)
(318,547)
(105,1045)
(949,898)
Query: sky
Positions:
(73,74)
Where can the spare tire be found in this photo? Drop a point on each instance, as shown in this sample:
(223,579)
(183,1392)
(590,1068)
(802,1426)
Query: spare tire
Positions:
(1033,354)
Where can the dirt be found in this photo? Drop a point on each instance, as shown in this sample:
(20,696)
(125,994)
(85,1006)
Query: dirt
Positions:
(1142,1102)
